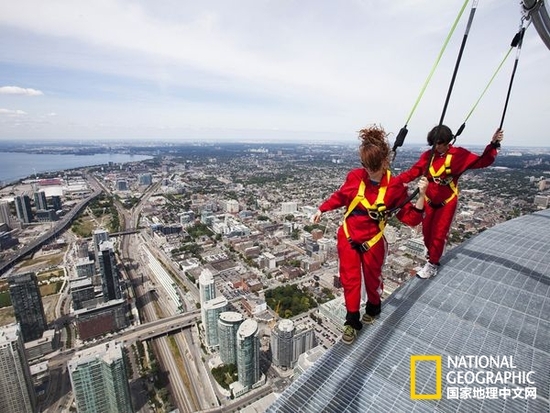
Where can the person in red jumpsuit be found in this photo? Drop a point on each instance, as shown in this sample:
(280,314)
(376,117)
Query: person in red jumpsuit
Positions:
(443,165)
(368,193)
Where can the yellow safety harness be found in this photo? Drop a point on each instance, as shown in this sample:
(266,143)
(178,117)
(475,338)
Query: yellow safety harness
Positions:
(448,180)
(375,212)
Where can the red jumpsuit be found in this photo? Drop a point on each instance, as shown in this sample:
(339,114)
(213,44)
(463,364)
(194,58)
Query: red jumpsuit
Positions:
(363,228)
(441,198)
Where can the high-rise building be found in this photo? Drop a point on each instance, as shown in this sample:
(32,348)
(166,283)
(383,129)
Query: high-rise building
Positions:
(99,235)
(27,305)
(281,343)
(56,202)
(16,386)
(5,215)
(23,208)
(207,288)
(84,267)
(121,185)
(82,290)
(248,353)
(40,200)
(212,310)
(228,325)
(288,342)
(146,179)
(99,380)
(108,272)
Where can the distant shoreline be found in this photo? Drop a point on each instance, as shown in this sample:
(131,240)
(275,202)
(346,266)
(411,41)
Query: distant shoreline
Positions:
(18,165)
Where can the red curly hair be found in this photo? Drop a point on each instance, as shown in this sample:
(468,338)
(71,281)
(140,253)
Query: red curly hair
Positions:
(374,149)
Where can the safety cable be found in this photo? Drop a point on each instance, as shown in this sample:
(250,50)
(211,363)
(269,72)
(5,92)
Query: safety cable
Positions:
(400,139)
(459,58)
(514,43)
(518,52)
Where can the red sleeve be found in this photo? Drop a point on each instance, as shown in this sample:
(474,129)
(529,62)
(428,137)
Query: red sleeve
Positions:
(468,160)
(408,214)
(343,196)
(417,170)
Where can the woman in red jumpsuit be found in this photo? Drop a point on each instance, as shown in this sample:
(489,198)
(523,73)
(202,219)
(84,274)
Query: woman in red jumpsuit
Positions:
(367,194)
(443,165)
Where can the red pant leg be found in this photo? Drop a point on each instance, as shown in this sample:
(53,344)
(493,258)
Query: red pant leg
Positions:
(435,228)
(372,262)
(350,272)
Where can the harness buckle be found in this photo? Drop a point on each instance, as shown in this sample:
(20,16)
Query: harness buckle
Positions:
(443,181)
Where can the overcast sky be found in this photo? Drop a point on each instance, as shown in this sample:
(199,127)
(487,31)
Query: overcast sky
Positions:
(264,70)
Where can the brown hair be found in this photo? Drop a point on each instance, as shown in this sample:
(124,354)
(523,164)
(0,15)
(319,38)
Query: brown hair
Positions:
(374,149)
(440,134)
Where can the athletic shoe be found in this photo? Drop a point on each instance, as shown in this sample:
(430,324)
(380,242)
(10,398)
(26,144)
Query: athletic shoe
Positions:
(368,319)
(428,271)
(349,334)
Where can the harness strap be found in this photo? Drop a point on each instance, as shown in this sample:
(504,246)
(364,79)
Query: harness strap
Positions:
(378,206)
(446,167)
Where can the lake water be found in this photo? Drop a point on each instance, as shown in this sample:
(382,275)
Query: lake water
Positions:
(16,165)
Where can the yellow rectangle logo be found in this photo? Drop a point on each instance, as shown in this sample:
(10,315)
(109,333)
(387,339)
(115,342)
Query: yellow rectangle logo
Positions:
(430,358)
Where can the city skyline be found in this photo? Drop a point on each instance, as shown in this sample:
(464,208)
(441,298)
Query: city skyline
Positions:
(264,72)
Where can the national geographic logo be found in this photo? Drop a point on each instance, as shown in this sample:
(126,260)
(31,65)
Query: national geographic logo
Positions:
(431,359)
(470,377)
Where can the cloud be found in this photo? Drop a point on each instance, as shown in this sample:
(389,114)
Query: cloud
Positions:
(11,112)
(16,90)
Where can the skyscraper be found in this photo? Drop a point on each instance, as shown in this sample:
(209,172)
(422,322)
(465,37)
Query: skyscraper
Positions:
(99,380)
(212,310)
(5,215)
(108,271)
(281,343)
(40,200)
(207,288)
(27,305)
(23,208)
(99,235)
(248,353)
(228,325)
(16,386)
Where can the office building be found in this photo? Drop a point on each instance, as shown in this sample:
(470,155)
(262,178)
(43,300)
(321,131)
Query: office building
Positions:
(281,343)
(6,240)
(40,200)
(146,179)
(207,288)
(46,215)
(228,325)
(27,305)
(211,312)
(85,267)
(121,185)
(107,269)
(289,207)
(248,353)
(23,208)
(94,321)
(56,202)
(288,342)
(5,214)
(16,385)
(82,290)
(99,235)
(99,380)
